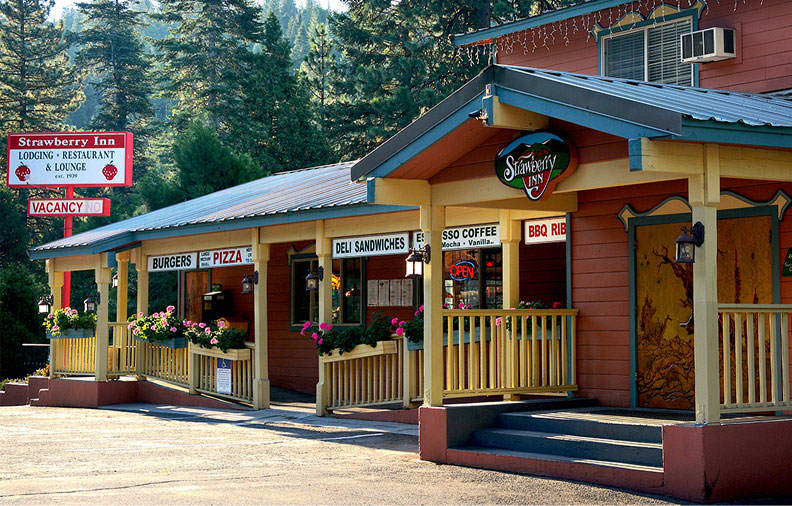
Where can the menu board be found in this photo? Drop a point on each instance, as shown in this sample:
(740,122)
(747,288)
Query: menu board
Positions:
(384,292)
(372,289)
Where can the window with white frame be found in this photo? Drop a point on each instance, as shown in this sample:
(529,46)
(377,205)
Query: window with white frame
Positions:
(649,53)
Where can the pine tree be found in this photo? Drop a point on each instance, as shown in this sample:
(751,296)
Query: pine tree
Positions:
(316,70)
(38,85)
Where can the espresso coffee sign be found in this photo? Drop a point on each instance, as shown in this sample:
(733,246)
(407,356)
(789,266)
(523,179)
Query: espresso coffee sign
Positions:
(536,163)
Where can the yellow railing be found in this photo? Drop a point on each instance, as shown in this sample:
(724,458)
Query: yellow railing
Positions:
(204,372)
(365,376)
(121,353)
(509,351)
(754,351)
(168,364)
(74,356)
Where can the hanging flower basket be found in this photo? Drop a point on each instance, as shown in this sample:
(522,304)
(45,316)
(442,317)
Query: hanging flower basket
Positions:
(230,354)
(72,334)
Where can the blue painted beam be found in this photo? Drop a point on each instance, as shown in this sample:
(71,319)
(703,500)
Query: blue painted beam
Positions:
(735,133)
(635,154)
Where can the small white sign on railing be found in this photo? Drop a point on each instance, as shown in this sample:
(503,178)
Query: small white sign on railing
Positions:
(223,376)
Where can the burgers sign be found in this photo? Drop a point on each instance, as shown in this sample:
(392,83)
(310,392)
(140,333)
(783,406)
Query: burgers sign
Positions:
(536,163)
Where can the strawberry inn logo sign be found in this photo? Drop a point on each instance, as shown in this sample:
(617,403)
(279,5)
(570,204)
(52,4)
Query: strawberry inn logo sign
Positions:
(536,163)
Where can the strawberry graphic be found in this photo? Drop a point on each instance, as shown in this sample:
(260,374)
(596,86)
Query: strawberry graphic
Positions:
(22,172)
(109,172)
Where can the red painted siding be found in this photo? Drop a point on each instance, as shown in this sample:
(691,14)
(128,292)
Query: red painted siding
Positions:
(764,45)
(388,267)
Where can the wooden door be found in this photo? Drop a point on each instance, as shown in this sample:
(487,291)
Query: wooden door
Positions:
(196,283)
(664,301)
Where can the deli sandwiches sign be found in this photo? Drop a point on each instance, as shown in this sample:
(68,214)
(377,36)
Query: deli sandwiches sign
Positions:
(536,163)
(69,207)
(69,159)
(371,245)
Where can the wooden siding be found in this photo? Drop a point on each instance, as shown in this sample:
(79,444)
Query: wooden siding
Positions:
(764,47)
(388,267)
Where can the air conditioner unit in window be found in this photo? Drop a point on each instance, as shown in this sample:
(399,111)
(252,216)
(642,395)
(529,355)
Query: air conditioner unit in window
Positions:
(712,44)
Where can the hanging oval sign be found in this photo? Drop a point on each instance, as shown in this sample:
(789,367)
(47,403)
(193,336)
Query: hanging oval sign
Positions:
(536,163)
(463,270)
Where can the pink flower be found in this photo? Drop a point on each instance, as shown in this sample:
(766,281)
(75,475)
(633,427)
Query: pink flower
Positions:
(556,305)
(136,331)
(395,321)
(173,329)
(306,324)
(50,315)
(302,332)
(213,341)
(323,326)
(320,340)
(315,336)
(169,308)
(400,331)
(416,313)
(498,321)
(208,330)
(202,325)
(140,314)
(421,308)
(221,324)
(55,328)
(401,323)
(129,327)
(194,325)
(329,326)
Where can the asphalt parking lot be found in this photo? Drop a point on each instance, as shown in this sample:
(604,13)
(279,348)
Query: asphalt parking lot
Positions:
(143,454)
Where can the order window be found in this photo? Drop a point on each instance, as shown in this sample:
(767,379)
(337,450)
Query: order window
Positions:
(346,291)
(651,54)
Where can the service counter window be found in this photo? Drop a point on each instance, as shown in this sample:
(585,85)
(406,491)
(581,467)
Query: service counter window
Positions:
(473,278)
(346,289)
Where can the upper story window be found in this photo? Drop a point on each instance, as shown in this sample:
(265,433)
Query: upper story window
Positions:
(649,53)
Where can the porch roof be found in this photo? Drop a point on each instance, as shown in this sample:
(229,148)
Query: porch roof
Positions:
(623,107)
(285,197)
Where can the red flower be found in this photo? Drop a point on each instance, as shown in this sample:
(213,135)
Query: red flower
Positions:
(557,305)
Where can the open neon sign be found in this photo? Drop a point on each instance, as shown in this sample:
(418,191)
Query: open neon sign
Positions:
(462,271)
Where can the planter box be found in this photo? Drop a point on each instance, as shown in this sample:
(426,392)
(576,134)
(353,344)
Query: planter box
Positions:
(72,334)
(231,354)
(173,342)
(363,350)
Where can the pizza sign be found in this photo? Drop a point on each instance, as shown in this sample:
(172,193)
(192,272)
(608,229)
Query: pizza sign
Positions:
(536,163)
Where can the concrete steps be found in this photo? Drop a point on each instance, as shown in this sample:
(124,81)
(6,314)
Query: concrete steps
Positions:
(572,435)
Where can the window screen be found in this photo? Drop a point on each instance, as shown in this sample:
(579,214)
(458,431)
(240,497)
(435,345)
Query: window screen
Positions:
(624,56)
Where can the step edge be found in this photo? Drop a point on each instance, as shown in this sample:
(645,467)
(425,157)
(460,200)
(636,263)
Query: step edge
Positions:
(572,437)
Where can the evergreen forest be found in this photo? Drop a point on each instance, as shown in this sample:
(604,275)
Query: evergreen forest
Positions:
(216,93)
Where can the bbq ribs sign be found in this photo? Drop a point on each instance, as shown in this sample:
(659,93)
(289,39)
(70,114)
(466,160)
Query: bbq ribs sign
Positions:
(69,159)
(536,163)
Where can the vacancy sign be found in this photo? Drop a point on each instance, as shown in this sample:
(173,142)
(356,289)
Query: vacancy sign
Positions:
(70,159)
(69,207)
(225,257)
(542,231)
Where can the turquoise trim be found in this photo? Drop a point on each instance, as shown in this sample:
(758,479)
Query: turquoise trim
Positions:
(735,133)
(426,140)
(535,21)
(638,221)
(568,247)
(186,230)
(578,115)
(635,154)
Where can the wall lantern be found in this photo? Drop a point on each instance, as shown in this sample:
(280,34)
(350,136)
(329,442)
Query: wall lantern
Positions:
(313,278)
(687,243)
(115,280)
(45,304)
(248,281)
(415,260)
(89,304)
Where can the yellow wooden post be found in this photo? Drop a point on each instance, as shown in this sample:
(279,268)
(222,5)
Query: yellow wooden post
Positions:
(704,196)
(324,252)
(102,277)
(122,292)
(56,284)
(261,383)
(432,224)
(141,266)
(510,238)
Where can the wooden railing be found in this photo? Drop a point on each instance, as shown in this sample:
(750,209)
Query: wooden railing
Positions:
(74,356)
(365,376)
(121,353)
(204,373)
(168,364)
(754,351)
(509,351)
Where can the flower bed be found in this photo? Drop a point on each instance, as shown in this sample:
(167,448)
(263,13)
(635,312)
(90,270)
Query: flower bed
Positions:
(217,334)
(330,339)
(163,329)
(69,323)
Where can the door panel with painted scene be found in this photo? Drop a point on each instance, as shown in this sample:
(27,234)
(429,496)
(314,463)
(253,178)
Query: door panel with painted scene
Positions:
(664,301)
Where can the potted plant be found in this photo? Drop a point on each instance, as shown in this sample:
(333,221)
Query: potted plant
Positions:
(69,323)
(164,328)
(216,339)
(353,342)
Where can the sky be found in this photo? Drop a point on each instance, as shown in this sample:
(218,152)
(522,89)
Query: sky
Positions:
(336,5)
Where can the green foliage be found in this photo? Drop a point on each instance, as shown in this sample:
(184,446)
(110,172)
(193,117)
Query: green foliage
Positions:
(19,320)
(157,326)
(68,318)
(329,338)
(215,334)
(414,329)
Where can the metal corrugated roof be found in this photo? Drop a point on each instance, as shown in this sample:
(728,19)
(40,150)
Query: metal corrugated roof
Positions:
(328,186)
(754,109)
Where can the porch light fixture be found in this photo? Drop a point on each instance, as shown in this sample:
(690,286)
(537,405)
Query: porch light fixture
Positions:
(89,304)
(313,278)
(115,280)
(45,304)
(248,281)
(415,260)
(687,243)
